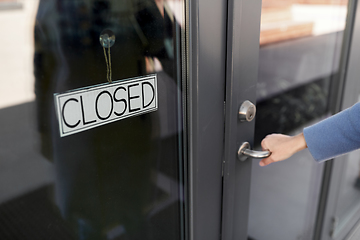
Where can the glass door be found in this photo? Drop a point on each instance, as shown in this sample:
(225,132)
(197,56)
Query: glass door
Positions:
(123,179)
(299,78)
(288,58)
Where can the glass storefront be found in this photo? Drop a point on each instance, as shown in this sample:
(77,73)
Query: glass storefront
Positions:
(122,180)
(136,178)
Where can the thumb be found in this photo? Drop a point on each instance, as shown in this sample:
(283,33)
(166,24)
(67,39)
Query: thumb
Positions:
(266,161)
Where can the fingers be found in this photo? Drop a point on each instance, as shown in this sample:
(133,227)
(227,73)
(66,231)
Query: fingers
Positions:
(263,144)
(266,161)
(268,141)
(281,147)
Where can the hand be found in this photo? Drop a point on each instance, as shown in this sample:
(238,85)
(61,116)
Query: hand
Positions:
(281,147)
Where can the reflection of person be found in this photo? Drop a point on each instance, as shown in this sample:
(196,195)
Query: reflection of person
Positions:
(106,178)
(327,139)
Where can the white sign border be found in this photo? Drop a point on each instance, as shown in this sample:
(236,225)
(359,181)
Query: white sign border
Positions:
(100,86)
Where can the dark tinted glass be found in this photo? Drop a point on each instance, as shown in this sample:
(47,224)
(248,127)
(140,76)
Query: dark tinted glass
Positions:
(122,180)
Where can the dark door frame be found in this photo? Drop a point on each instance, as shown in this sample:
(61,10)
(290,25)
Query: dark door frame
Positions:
(206,34)
(241,79)
(222,66)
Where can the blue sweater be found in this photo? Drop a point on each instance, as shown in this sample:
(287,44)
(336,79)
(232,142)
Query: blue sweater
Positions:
(335,135)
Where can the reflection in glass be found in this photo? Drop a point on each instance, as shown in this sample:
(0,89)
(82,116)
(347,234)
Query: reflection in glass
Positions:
(300,43)
(119,181)
(349,190)
(300,48)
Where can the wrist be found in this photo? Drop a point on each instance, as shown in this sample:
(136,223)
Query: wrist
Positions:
(299,142)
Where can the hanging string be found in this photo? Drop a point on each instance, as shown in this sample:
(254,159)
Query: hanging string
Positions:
(107,40)
(108,65)
(110,74)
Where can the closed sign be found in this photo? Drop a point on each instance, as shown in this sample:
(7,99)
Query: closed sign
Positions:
(86,108)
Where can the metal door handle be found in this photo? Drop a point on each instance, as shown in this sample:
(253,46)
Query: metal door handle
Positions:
(245,152)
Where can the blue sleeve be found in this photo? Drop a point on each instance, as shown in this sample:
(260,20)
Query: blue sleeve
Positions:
(335,135)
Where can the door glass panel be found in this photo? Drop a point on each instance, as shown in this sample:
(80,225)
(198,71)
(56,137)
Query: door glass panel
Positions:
(122,180)
(300,46)
(349,190)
